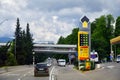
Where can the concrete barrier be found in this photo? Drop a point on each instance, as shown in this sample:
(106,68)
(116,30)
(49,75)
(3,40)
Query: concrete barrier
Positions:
(98,66)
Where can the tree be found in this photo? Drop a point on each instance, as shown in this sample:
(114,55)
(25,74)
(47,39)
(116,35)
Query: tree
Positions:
(29,45)
(11,61)
(116,34)
(3,54)
(102,34)
(109,27)
(71,38)
(117,27)
(61,40)
(20,53)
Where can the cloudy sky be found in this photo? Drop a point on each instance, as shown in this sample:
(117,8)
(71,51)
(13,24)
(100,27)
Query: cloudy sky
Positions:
(50,19)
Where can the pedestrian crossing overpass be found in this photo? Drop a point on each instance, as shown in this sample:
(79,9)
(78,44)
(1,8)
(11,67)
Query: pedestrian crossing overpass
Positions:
(52,48)
(55,48)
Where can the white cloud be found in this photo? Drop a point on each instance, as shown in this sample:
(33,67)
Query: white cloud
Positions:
(50,19)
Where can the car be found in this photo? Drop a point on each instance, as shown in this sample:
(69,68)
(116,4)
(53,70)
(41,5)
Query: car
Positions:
(48,61)
(61,62)
(41,69)
(118,59)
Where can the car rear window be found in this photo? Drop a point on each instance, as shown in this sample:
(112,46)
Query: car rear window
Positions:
(118,57)
(41,65)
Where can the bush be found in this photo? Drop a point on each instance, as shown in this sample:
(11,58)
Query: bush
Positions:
(11,61)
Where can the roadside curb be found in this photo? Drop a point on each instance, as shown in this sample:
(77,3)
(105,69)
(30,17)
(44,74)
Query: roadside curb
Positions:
(3,70)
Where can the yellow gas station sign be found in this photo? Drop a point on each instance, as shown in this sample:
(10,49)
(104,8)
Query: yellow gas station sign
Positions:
(85,24)
(83,45)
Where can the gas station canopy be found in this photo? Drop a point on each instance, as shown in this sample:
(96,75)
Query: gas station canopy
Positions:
(115,40)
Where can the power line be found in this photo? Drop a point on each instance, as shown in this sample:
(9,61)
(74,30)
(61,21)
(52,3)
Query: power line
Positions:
(3,21)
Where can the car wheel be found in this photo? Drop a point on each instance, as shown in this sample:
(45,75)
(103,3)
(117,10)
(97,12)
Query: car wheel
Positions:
(35,74)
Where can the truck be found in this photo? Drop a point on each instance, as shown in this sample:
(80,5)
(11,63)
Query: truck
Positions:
(94,57)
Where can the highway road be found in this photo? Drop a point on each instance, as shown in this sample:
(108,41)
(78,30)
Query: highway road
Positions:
(108,71)
(21,73)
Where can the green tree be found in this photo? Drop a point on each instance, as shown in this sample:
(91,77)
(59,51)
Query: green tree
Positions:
(3,54)
(70,39)
(117,27)
(61,40)
(20,55)
(116,34)
(29,45)
(11,61)
(101,35)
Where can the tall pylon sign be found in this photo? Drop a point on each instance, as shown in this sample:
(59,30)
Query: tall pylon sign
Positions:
(84,41)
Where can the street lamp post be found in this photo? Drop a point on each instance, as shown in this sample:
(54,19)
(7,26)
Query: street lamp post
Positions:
(33,58)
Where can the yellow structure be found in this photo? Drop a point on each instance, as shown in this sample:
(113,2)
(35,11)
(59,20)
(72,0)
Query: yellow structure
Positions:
(88,65)
(83,45)
(85,24)
(115,40)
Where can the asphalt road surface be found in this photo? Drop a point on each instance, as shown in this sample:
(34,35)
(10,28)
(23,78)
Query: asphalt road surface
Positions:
(108,71)
(21,73)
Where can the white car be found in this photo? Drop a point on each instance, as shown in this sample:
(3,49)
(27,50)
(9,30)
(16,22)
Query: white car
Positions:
(118,59)
(62,62)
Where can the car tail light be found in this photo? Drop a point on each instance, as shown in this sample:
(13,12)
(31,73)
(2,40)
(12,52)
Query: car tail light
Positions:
(35,69)
(46,69)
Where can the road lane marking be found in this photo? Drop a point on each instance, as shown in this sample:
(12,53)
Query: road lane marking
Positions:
(50,76)
(110,66)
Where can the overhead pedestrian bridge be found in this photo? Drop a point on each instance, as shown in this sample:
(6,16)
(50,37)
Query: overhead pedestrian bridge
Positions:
(52,48)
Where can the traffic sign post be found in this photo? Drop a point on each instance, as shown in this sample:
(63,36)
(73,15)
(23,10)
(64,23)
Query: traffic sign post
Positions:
(84,43)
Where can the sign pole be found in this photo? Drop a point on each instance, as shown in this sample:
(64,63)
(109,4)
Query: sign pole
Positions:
(84,43)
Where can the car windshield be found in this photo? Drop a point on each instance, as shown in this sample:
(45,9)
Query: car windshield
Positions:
(93,55)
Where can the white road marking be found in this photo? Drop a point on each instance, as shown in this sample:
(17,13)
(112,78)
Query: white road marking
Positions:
(110,66)
(50,76)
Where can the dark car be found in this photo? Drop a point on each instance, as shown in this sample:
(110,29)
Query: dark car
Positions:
(41,69)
